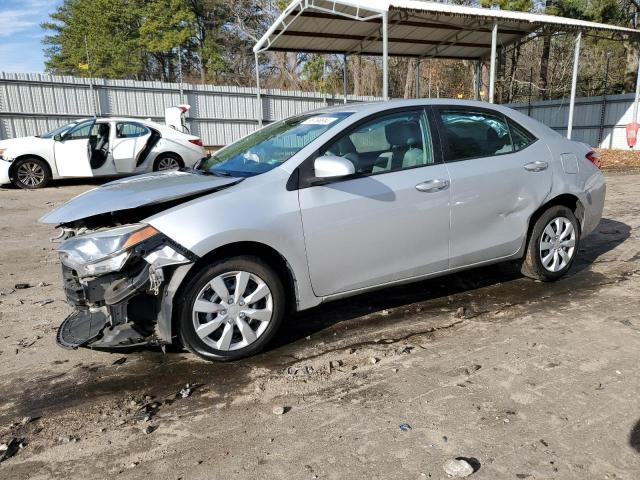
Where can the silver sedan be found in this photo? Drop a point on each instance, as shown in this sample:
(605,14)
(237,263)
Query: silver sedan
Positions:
(317,207)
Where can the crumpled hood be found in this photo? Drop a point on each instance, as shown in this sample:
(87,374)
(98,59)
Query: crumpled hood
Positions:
(134,192)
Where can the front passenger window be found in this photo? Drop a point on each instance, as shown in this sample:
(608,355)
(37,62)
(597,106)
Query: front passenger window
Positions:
(391,142)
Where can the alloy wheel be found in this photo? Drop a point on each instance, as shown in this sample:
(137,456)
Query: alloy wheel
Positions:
(557,244)
(30,174)
(232,310)
(168,163)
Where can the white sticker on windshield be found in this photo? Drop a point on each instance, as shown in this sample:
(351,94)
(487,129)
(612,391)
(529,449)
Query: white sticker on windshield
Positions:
(319,121)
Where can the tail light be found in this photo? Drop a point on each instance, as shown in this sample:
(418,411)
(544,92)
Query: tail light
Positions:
(197,141)
(594,157)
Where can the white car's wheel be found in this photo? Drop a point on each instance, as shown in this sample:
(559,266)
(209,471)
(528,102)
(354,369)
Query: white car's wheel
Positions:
(30,173)
(168,161)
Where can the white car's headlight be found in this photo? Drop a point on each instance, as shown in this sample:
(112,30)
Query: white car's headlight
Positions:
(103,252)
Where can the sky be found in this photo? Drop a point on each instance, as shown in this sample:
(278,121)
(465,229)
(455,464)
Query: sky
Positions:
(21,48)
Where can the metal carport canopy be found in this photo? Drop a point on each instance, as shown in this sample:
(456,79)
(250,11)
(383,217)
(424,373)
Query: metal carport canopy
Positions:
(413,28)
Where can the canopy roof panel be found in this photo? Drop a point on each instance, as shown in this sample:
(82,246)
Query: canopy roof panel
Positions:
(415,28)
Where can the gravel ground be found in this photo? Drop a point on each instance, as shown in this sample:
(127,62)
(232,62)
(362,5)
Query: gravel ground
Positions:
(531,380)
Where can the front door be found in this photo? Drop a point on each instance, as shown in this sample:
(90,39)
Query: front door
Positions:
(130,140)
(500,175)
(73,151)
(391,220)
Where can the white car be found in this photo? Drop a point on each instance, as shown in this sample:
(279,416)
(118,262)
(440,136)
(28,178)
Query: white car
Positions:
(95,147)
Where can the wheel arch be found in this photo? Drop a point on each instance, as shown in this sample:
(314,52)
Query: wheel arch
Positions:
(264,252)
(12,168)
(567,200)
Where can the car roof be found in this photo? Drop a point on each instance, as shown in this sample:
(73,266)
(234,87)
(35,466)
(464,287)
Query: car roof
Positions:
(373,107)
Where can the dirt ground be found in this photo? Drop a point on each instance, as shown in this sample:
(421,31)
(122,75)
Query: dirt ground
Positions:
(533,380)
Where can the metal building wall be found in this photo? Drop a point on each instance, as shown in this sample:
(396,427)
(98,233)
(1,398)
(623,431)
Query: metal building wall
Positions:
(34,103)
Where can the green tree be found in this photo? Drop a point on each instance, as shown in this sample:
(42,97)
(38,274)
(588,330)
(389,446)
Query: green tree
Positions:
(111,31)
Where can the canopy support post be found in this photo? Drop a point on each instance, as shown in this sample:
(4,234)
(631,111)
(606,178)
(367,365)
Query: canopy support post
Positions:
(574,85)
(418,77)
(258,95)
(492,74)
(385,56)
(637,100)
(345,80)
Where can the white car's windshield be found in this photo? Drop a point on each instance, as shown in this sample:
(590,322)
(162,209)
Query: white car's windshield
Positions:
(59,130)
(271,146)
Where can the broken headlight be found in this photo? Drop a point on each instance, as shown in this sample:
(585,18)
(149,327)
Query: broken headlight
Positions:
(103,252)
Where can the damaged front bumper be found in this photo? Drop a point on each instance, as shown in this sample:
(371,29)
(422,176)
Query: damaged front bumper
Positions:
(129,308)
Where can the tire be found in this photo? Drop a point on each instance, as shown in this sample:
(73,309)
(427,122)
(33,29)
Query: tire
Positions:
(165,159)
(30,173)
(550,253)
(223,340)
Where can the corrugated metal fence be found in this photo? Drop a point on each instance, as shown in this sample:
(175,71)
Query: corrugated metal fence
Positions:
(599,121)
(33,103)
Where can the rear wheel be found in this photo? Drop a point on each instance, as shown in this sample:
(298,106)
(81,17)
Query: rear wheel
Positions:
(553,245)
(31,173)
(167,161)
(232,309)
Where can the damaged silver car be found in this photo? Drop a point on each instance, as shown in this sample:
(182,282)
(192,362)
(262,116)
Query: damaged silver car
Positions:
(317,207)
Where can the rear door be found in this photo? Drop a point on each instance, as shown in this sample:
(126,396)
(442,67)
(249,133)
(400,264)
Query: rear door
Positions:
(500,175)
(388,222)
(73,151)
(129,142)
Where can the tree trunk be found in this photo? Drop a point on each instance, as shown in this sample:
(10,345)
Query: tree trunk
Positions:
(633,50)
(502,66)
(410,80)
(543,83)
(513,86)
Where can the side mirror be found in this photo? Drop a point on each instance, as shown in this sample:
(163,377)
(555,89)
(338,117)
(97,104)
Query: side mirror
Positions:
(57,137)
(332,166)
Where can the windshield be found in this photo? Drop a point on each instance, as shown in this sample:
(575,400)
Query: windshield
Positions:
(59,130)
(271,146)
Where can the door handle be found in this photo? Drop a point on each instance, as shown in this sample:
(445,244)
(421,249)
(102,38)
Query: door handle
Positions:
(537,166)
(433,186)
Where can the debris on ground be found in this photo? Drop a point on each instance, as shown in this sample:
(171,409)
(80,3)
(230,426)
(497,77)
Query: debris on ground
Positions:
(22,286)
(306,370)
(373,360)
(120,361)
(461,312)
(26,420)
(334,365)
(68,439)
(405,350)
(44,284)
(458,467)
(10,448)
(187,390)
(405,427)
(147,411)
(149,429)
(279,410)
(42,303)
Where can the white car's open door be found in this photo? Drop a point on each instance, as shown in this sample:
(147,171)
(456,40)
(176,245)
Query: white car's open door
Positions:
(72,152)
(130,141)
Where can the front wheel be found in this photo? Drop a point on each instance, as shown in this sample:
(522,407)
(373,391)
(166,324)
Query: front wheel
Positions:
(232,309)
(31,173)
(553,245)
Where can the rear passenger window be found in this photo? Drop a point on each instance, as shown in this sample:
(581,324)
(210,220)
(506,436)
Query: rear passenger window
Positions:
(130,130)
(471,134)
(521,138)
